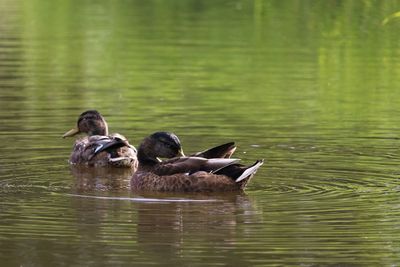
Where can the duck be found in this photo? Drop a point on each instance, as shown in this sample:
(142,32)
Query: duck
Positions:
(179,173)
(98,147)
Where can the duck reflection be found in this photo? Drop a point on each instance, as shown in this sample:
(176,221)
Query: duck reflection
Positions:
(172,230)
(161,227)
(100,178)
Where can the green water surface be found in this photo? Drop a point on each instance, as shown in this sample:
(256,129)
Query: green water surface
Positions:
(312,87)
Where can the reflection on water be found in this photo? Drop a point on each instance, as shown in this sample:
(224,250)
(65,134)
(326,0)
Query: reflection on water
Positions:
(116,231)
(101,179)
(310,86)
(182,230)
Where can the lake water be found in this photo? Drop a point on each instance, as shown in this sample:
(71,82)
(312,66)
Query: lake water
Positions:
(310,86)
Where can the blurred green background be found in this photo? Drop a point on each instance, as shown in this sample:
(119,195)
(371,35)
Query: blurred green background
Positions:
(310,86)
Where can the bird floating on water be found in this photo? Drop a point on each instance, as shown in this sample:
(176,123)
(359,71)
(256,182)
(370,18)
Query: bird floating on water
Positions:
(99,148)
(178,173)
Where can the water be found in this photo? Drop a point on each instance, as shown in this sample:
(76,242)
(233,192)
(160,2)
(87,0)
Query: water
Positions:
(311,87)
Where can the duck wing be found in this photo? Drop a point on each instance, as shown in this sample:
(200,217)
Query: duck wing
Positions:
(99,144)
(221,151)
(190,165)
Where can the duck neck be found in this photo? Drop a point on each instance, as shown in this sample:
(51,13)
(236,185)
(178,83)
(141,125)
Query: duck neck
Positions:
(144,158)
(98,132)
(99,128)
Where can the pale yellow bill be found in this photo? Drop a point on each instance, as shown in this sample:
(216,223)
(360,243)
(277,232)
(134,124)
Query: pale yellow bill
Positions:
(180,153)
(71,132)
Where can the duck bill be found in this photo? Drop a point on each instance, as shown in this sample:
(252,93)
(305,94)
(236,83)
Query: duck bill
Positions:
(71,132)
(180,153)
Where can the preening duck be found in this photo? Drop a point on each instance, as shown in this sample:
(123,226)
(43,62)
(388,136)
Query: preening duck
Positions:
(187,174)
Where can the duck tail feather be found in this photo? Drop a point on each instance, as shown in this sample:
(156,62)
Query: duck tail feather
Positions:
(250,171)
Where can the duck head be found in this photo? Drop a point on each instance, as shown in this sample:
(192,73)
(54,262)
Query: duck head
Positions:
(90,122)
(160,145)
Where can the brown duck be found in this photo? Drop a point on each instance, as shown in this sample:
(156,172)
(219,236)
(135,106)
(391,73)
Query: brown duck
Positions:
(187,174)
(99,148)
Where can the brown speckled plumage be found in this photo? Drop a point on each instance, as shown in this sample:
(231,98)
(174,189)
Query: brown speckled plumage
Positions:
(186,174)
(99,148)
(200,181)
